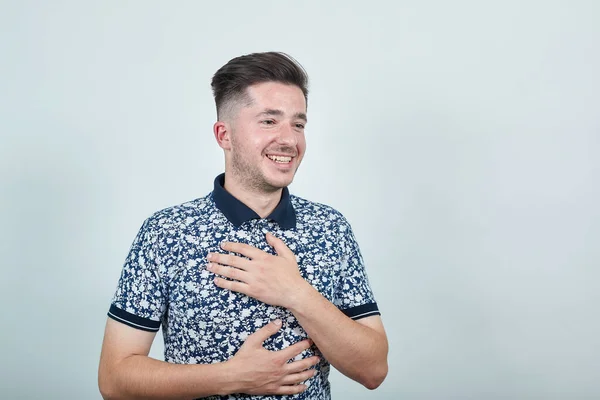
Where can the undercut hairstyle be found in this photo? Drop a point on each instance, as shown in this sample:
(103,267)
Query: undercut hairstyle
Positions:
(230,82)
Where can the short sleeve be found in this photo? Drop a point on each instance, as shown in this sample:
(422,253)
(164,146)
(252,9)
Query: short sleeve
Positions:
(140,299)
(353,294)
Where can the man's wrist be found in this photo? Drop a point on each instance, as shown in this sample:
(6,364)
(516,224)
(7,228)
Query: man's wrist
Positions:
(299,296)
(230,375)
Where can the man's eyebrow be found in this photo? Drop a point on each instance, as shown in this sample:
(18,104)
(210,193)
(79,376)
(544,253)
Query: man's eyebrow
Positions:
(279,113)
(301,116)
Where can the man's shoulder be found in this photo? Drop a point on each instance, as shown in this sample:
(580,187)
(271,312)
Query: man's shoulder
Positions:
(181,215)
(307,210)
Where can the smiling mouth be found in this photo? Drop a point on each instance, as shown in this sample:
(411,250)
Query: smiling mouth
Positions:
(280,159)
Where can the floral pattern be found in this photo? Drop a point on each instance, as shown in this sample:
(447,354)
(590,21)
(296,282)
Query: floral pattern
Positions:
(165,281)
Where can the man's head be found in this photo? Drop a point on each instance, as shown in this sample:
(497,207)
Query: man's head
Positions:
(230,82)
(261,110)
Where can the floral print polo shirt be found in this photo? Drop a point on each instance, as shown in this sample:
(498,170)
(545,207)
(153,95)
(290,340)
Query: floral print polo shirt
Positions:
(164,281)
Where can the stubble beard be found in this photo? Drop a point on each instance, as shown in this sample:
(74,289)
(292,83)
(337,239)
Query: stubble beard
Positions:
(250,175)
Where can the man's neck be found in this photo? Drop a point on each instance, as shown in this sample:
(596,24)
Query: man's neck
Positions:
(260,202)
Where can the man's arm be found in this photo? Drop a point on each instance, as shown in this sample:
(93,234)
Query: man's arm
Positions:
(358,349)
(126,371)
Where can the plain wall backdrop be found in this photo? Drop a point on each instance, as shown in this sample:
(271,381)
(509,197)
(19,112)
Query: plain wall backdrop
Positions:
(460,139)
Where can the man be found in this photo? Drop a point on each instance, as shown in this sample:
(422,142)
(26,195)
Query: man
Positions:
(257,291)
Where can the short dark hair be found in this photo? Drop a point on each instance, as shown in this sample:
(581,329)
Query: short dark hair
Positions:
(230,82)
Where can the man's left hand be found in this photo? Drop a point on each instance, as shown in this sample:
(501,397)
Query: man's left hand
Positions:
(272,279)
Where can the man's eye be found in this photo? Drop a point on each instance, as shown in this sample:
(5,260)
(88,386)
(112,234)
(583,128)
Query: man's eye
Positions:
(268,122)
(300,126)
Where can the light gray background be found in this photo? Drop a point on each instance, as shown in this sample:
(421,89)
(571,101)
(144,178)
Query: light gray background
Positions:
(460,139)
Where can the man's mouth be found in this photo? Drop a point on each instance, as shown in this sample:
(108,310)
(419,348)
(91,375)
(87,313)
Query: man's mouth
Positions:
(280,159)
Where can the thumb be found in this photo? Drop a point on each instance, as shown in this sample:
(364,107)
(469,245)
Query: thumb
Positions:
(264,333)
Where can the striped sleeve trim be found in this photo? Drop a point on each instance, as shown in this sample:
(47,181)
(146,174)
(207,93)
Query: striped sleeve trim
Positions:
(132,320)
(358,312)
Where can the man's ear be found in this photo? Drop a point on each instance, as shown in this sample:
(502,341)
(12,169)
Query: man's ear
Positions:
(222,132)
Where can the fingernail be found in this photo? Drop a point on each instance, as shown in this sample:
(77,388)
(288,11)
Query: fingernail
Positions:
(277,322)
(209,256)
(315,372)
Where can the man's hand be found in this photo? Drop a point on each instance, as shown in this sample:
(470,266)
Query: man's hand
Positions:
(272,279)
(263,372)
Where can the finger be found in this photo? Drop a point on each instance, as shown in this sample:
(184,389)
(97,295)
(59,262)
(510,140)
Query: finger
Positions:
(244,249)
(228,259)
(299,377)
(234,286)
(301,365)
(258,337)
(228,272)
(291,389)
(280,247)
(295,349)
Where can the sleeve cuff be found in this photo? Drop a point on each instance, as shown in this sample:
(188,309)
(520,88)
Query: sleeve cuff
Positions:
(132,320)
(363,311)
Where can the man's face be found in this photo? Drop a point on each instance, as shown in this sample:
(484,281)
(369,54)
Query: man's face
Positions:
(267,141)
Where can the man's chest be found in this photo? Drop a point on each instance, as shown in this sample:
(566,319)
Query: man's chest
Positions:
(221,319)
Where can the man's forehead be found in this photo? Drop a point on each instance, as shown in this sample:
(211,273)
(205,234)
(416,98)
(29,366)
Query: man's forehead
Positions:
(277,92)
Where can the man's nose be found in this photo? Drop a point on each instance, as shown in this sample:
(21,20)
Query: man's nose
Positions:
(287,135)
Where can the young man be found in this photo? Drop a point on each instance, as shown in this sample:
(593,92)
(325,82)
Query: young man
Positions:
(257,291)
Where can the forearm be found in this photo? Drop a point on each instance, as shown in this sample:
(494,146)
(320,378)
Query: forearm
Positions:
(142,377)
(356,350)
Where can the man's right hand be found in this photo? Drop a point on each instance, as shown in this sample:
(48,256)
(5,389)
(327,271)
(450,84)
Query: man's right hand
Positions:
(263,372)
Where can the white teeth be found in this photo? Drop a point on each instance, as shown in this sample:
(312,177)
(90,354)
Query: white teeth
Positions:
(280,159)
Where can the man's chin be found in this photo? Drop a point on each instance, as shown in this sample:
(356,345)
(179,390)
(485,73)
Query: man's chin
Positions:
(279,182)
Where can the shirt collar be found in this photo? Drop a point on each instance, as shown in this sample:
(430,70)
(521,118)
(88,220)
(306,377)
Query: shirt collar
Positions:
(237,212)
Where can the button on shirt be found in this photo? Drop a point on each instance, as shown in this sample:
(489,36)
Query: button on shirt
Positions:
(164,281)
